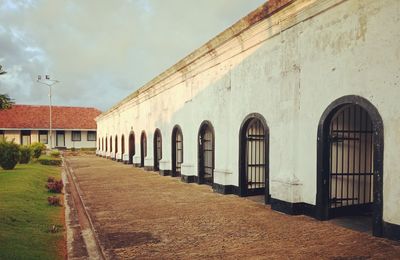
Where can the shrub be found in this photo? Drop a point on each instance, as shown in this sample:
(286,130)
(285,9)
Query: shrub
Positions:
(51,179)
(73,149)
(9,154)
(37,149)
(46,160)
(25,154)
(55,187)
(54,201)
(55,154)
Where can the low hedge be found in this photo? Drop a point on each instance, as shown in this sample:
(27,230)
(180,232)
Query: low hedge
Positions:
(37,149)
(48,160)
(25,154)
(55,154)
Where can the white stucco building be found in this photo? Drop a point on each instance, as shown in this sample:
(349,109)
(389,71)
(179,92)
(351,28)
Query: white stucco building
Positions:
(72,127)
(297,101)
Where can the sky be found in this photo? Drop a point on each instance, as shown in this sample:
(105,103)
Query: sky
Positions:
(102,50)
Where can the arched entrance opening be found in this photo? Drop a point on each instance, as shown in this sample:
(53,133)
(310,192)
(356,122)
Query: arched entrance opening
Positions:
(131,147)
(350,161)
(206,153)
(157,145)
(111,145)
(116,145)
(143,148)
(254,157)
(122,147)
(177,151)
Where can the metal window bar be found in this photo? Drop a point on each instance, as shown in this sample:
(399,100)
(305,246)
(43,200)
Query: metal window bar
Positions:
(178,152)
(351,158)
(116,145)
(206,142)
(255,157)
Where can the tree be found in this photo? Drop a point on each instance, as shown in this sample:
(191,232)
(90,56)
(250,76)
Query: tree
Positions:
(5,101)
(2,71)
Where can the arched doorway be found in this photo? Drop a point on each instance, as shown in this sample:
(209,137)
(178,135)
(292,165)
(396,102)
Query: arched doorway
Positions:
(106,144)
(206,153)
(102,144)
(157,145)
(116,145)
(131,147)
(143,148)
(111,146)
(350,161)
(254,157)
(177,151)
(122,147)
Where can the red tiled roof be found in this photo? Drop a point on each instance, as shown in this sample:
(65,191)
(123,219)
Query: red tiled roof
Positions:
(37,117)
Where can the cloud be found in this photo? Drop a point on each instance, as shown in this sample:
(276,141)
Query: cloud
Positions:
(101,51)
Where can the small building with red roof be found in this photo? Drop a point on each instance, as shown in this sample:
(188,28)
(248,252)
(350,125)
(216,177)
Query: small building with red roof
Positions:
(72,127)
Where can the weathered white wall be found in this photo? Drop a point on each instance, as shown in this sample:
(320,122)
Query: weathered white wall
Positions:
(289,68)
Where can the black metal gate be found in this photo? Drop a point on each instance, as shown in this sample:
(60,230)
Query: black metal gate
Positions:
(157,149)
(116,145)
(143,148)
(254,158)
(177,152)
(206,154)
(131,147)
(122,147)
(351,159)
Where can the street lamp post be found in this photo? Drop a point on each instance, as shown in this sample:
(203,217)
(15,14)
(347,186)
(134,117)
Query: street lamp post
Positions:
(48,82)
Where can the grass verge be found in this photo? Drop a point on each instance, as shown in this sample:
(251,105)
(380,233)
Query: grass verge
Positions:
(26,220)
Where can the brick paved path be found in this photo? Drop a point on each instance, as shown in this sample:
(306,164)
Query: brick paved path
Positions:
(141,214)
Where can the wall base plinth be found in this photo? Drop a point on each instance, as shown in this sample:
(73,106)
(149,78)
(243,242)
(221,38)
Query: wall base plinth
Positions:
(189,179)
(165,172)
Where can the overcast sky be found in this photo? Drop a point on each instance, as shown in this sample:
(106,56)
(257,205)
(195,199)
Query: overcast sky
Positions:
(102,50)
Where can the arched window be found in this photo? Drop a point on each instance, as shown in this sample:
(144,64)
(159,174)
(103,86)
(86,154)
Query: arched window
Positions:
(131,147)
(206,153)
(350,155)
(143,148)
(157,149)
(122,147)
(177,151)
(254,163)
(116,144)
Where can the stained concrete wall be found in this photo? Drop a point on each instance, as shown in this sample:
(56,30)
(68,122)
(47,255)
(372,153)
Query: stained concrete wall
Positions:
(289,67)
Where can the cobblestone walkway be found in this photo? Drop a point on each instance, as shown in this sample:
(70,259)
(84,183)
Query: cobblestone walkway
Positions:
(140,214)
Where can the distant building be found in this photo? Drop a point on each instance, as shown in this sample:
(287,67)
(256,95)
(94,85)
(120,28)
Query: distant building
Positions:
(71,126)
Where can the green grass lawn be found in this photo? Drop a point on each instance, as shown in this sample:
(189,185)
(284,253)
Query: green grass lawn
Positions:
(25,217)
